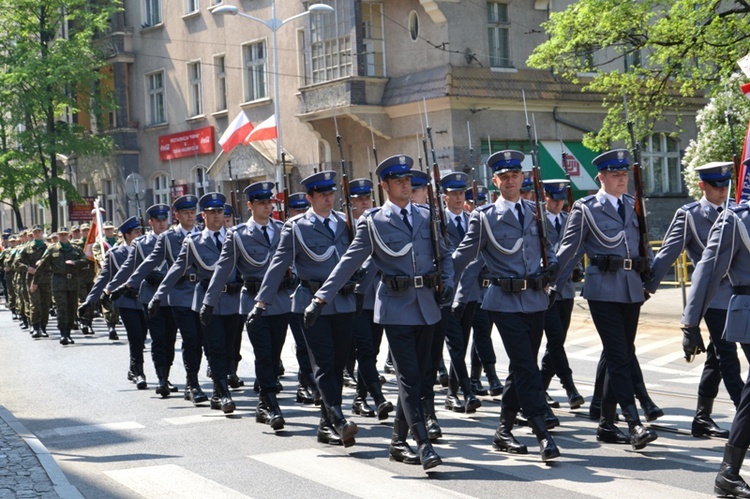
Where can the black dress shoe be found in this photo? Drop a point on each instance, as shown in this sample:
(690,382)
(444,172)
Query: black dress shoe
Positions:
(64,340)
(215,402)
(401,452)
(452,403)
(548,449)
(163,390)
(704,426)
(551,420)
(575,400)
(551,402)
(477,387)
(113,334)
(349,380)
(521,420)
(728,482)
(434,432)
(640,436)
(381,379)
(611,434)
(140,382)
(195,395)
(234,381)
(360,407)
(495,387)
(261,413)
(86,330)
(304,395)
(388,367)
(227,404)
(326,435)
(131,375)
(652,412)
(443,378)
(172,388)
(384,408)
(428,457)
(504,441)
(471,403)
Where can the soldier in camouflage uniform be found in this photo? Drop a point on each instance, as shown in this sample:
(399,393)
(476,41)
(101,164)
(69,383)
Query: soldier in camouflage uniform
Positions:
(39,301)
(6,244)
(64,261)
(109,310)
(11,301)
(85,277)
(20,282)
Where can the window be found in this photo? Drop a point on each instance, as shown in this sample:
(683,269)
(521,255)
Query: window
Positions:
(414,25)
(633,59)
(200,177)
(254,57)
(151,13)
(661,164)
(156,109)
(195,88)
(161,189)
(498,35)
(331,46)
(192,6)
(110,197)
(220,73)
(374,39)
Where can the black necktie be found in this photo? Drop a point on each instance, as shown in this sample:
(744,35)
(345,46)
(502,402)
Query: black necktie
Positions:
(621,209)
(218,243)
(519,209)
(405,216)
(719,209)
(265,234)
(558,225)
(461,231)
(327,223)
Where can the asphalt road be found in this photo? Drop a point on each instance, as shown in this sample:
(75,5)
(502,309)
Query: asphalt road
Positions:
(112,440)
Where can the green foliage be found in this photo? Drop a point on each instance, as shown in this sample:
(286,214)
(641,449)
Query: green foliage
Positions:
(716,140)
(657,52)
(49,69)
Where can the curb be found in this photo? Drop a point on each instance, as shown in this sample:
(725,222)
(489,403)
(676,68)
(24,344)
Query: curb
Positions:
(59,481)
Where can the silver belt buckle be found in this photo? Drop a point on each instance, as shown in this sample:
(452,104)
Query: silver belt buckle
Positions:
(418,281)
(70,276)
(524,285)
(627,264)
(224,289)
(192,278)
(486,283)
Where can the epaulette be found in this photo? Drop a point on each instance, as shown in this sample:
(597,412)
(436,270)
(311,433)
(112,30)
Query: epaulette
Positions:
(296,217)
(690,206)
(277,223)
(629,195)
(195,235)
(588,198)
(371,211)
(422,205)
(140,239)
(485,207)
(236,227)
(739,207)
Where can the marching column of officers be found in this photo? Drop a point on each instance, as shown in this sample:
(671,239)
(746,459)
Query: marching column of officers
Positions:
(394,272)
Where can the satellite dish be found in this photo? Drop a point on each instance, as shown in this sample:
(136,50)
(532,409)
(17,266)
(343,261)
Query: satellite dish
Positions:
(135,187)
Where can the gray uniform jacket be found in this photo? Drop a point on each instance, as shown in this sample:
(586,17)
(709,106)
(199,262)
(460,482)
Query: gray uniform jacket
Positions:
(166,250)
(689,231)
(247,251)
(142,247)
(509,250)
(731,258)
(195,266)
(595,228)
(568,290)
(113,261)
(396,251)
(308,245)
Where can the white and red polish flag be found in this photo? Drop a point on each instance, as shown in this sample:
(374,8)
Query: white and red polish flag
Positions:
(236,132)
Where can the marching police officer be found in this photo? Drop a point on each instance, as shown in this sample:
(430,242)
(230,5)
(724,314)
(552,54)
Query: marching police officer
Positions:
(507,236)
(313,243)
(605,227)
(249,248)
(398,238)
(689,231)
(195,265)
(64,261)
(727,253)
(174,312)
(162,327)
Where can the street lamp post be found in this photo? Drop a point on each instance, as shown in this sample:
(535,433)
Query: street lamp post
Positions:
(274,24)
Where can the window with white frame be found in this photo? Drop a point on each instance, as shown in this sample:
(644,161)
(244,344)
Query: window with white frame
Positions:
(256,63)
(192,6)
(151,13)
(157,112)
(160,187)
(661,163)
(220,87)
(195,88)
(200,177)
(374,39)
(498,35)
(331,42)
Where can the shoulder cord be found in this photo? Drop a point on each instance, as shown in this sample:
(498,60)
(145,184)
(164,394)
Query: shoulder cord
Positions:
(198,259)
(241,247)
(491,237)
(311,254)
(691,223)
(604,240)
(375,236)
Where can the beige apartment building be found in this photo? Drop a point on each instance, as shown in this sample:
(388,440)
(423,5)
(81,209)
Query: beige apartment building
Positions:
(182,73)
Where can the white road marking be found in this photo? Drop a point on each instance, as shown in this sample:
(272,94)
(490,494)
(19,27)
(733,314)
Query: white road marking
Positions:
(92,428)
(150,481)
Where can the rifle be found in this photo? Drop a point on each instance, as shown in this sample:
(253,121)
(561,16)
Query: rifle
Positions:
(640,197)
(435,173)
(286,186)
(474,188)
(541,204)
(345,185)
(435,235)
(369,170)
(235,194)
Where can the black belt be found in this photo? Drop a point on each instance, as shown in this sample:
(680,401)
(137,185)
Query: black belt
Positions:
(741,290)
(154,279)
(519,284)
(314,286)
(613,263)
(187,278)
(252,286)
(402,282)
(68,276)
(231,288)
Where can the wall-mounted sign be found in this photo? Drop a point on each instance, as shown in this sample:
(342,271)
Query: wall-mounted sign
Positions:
(187,143)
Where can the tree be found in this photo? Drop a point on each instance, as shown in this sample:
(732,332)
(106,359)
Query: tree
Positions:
(662,54)
(717,140)
(51,71)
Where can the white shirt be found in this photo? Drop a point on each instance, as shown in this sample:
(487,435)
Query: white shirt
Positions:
(256,226)
(332,221)
(221,232)
(397,211)
(612,199)
(461,216)
(185,232)
(504,205)
(552,218)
